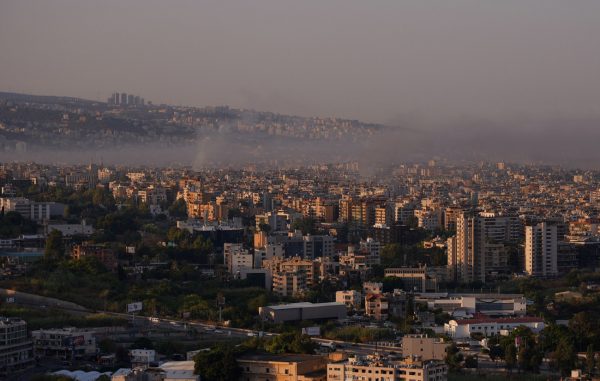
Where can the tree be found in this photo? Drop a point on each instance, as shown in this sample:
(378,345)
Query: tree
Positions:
(564,357)
(291,343)
(496,352)
(218,364)
(55,247)
(510,356)
(306,225)
(590,359)
(471,362)
(178,209)
(453,357)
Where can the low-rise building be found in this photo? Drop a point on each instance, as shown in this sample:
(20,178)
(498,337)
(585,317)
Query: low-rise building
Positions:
(104,255)
(64,343)
(488,326)
(303,311)
(426,348)
(376,306)
(377,367)
(282,367)
(459,304)
(417,279)
(351,298)
(142,357)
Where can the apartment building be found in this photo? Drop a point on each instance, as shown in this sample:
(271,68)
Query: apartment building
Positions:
(64,343)
(282,367)
(377,367)
(423,347)
(237,258)
(418,279)
(351,298)
(104,255)
(376,306)
(16,348)
(479,249)
(541,250)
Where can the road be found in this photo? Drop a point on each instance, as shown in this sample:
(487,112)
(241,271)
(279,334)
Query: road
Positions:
(42,302)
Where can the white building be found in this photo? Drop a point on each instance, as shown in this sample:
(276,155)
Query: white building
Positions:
(237,258)
(373,248)
(69,230)
(65,343)
(541,250)
(142,357)
(461,329)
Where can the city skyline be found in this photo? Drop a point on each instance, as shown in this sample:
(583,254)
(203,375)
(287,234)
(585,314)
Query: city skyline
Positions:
(408,62)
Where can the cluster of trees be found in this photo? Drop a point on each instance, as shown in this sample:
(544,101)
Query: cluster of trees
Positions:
(524,351)
(12,224)
(358,334)
(398,255)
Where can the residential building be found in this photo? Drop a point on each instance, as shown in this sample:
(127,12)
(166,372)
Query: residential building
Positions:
(64,343)
(423,347)
(377,367)
(376,306)
(282,367)
(541,250)
(351,298)
(418,279)
(237,258)
(16,348)
(480,251)
(103,254)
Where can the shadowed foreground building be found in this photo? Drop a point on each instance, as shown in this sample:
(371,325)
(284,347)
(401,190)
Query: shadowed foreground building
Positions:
(16,349)
(282,367)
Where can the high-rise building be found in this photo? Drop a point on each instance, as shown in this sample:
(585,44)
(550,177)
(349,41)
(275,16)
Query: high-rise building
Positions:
(123,99)
(480,248)
(541,250)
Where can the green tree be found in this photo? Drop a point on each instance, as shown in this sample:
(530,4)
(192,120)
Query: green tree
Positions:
(218,364)
(55,247)
(471,362)
(496,352)
(291,343)
(510,356)
(453,357)
(564,357)
(178,209)
(306,225)
(590,359)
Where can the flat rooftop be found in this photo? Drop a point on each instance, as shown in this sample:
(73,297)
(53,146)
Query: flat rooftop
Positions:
(304,305)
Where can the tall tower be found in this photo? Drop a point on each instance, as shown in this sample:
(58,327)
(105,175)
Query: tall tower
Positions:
(541,250)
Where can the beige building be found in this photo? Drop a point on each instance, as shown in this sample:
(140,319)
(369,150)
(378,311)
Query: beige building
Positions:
(376,306)
(427,348)
(541,250)
(376,367)
(289,283)
(282,367)
(351,298)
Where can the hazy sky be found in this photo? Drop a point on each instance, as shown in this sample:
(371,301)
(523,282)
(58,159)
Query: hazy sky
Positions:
(378,61)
